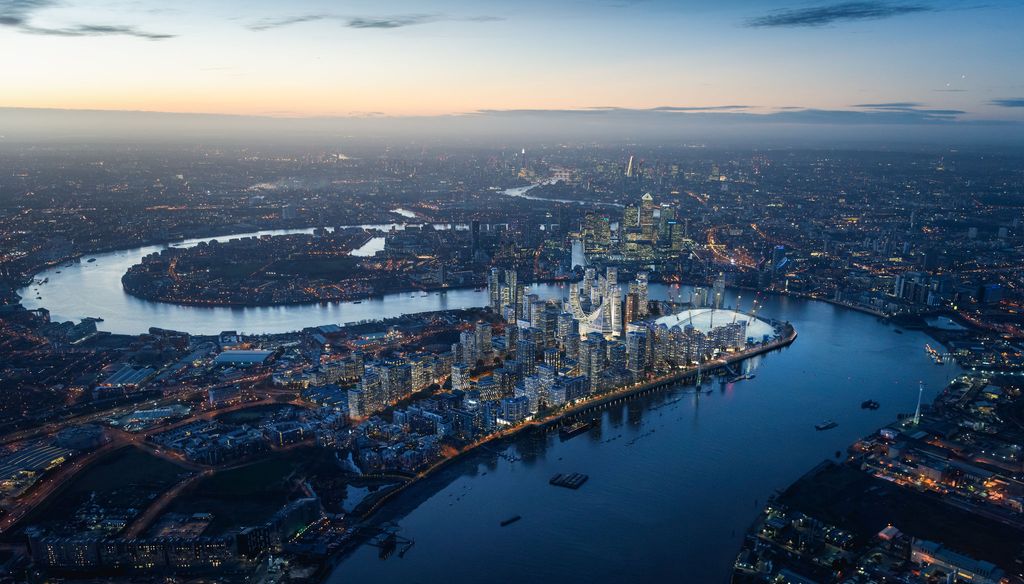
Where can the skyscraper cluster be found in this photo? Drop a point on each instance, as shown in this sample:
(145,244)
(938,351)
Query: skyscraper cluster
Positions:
(597,302)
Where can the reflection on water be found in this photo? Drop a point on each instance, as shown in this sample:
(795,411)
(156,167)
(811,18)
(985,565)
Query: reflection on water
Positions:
(369,248)
(676,477)
(94,289)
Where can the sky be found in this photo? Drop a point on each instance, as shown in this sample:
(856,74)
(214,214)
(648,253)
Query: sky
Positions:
(913,60)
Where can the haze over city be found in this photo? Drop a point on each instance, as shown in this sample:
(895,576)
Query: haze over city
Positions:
(620,63)
(568,291)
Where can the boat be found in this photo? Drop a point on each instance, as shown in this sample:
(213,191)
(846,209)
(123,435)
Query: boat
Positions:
(826,425)
(573,429)
(511,520)
(386,545)
(869,404)
(569,481)
(357,302)
(90,260)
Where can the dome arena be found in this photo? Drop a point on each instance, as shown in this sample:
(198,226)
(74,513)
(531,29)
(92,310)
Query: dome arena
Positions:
(705,319)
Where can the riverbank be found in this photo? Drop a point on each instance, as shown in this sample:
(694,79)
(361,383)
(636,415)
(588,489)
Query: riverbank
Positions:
(351,300)
(365,514)
(886,485)
(803,296)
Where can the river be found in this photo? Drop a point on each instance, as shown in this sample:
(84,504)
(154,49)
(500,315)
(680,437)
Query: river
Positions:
(523,193)
(93,289)
(675,479)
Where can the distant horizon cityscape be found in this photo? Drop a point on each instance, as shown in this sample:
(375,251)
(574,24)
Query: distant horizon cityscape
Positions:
(613,292)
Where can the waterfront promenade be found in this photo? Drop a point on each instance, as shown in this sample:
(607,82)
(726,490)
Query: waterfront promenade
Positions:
(587,404)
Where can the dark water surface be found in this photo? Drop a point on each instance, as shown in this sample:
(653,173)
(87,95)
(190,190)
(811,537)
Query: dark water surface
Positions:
(675,479)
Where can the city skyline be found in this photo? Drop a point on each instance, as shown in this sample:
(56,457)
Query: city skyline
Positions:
(602,291)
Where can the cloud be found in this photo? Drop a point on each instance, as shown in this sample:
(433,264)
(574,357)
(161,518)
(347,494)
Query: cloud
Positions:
(889,114)
(709,108)
(84,30)
(392,21)
(368,22)
(1008,102)
(612,110)
(911,107)
(281,22)
(842,12)
(889,105)
(17,14)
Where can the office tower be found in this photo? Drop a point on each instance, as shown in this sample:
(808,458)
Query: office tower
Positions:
(468,350)
(460,376)
(569,335)
(642,293)
(631,219)
(494,288)
(482,334)
(665,222)
(553,358)
(676,235)
(592,358)
(511,285)
(526,351)
(630,314)
(647,217)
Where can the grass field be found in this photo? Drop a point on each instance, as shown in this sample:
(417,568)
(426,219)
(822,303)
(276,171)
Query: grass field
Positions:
(251,494)
(253,415)
(129,477)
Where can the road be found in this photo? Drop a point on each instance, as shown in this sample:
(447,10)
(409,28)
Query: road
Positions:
(157,507)
(53,482)
(56,479)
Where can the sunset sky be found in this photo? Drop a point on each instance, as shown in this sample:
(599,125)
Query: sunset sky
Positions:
(399,58)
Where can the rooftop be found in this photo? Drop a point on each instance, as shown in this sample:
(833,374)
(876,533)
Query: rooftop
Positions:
(704,319)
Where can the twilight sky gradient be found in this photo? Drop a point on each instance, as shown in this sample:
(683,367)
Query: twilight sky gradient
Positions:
(413,57)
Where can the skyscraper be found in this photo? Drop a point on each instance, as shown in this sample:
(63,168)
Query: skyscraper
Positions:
(636,352)
(647,217)
(494,288)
